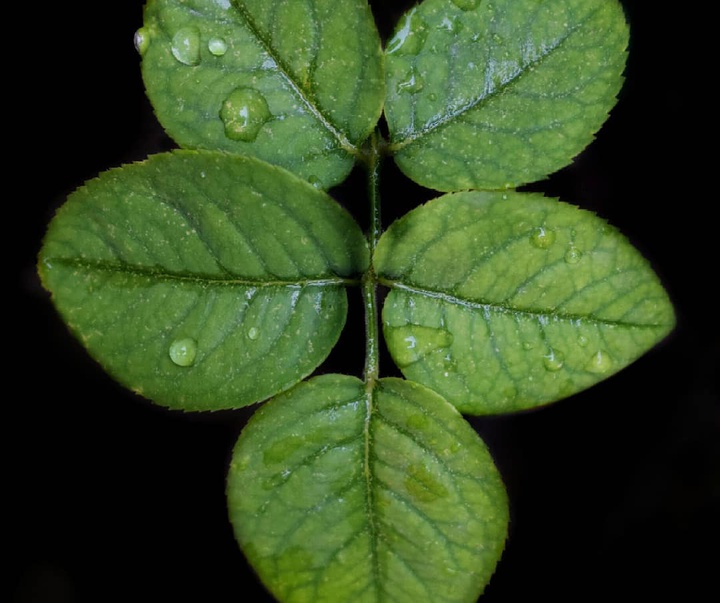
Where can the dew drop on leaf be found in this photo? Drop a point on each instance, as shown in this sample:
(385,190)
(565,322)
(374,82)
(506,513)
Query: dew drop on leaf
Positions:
(253,333)
(412,83)
(542,238)
(573,254)
(600,363)
(186,46)
(217,46)
(466,4)
(410,343)
(142,40)
(553,360)
(183,351)
(243,113)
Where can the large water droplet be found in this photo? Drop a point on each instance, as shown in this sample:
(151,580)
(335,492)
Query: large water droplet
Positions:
(573,254)
(600,363)
(410,343)
(553,360)
(217,46)
(466,4)
(410,36)
(542,238)
(185,46)
(142,40)
(243,113)
(183,351)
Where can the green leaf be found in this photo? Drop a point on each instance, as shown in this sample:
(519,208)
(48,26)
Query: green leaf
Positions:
(506,301)
(339,494)
(203,280)
(298,84)
(494,94)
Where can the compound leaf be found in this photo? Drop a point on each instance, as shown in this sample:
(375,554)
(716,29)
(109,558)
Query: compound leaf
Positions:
(342,495)
(506,301)
(203,280)
(493,94)
(299,84)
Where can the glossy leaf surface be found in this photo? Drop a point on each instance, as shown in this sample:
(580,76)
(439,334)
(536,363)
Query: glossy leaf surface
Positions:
(298,84)
(338,495)
(506,301)
(203,280)
(489,95)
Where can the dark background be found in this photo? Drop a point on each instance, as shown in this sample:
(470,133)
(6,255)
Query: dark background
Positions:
(614,492)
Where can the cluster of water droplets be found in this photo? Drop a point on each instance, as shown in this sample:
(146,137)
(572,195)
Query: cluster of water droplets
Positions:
(245,110)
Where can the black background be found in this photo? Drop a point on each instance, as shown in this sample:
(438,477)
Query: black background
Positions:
(614,492)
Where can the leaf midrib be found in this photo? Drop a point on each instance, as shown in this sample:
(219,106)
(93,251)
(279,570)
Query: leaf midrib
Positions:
(499,308)
(157,275)
(284,72)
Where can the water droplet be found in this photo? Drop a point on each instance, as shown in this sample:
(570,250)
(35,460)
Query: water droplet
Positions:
(412,83)
(183,351)
(410,36)
(142,40)
(217,46)
(466,4)
(315,181)
(553,360)
(410,343)
(422,485)
(185,46)
(253,333)
(244,112)
(582,341)
(542,238)
(573,254)
(600,363)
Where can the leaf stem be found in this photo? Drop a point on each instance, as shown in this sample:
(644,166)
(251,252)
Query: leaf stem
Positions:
(370,283)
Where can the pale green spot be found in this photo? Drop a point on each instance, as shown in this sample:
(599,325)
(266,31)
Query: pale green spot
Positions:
(282,449)
(422,485)
(466,4)
(542,238)
(243,113)
(185,46)
(253,333)
(183,351)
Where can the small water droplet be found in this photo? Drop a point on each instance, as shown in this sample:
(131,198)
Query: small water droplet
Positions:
(315,181)
(244,112)
(217,46)
(600,363)
(542,238)
(142,40)
(582,341)
(466,4)
(553,360)
(412,83)
(185,46)
(410,36)
(527,345)
(573,254)
(183,351)
(253,333)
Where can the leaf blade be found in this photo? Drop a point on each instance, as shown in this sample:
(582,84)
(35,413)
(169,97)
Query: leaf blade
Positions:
(237,259)
(400,527)
(502,94)
(279,77)
(506,301)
